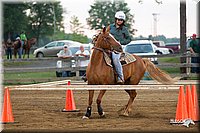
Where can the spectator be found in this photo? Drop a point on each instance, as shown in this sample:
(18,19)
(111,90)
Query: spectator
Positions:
(19,47)
(82,63)
(65,53)
(9,49)
(194,47)
(82,53)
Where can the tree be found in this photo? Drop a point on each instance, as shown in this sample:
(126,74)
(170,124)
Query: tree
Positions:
(14,19)
(75,25)
(45,18)
(102,14)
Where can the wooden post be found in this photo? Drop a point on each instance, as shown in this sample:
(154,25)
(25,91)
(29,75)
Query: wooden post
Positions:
(183,32)
(188,62)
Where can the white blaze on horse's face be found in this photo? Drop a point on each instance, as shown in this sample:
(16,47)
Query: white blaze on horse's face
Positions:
(114,38)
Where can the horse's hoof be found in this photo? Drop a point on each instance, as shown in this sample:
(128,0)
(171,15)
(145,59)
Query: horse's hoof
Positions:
(124,115)
(103,115)
(85,117)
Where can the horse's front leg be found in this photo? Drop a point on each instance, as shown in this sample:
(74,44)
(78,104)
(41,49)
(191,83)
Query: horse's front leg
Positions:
(28,53)
(99,108)
(89,108)
(24,53)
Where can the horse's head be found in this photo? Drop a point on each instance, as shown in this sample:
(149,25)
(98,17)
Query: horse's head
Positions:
(106,41)
(32,41)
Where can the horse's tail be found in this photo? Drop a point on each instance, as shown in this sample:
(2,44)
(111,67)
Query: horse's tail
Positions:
(158,74)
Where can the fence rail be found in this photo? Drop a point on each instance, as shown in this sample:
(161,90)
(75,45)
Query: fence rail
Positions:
(70,64)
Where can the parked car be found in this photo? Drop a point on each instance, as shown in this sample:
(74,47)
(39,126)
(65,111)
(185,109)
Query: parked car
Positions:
(161,50)
(142,48)
(52,48)
(159,43)
(161,46)
(174,46)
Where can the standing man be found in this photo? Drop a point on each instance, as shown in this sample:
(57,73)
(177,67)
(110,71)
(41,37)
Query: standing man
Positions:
(65,53)
(9,48)
(121,34)
(82,63)
(83,53)
(195,48)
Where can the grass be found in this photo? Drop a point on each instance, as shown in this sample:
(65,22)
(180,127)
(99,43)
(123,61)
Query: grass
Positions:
(31,56)
(37,77)
(27,75)
(169,60)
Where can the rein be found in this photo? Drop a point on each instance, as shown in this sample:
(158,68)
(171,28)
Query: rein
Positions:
(100,49)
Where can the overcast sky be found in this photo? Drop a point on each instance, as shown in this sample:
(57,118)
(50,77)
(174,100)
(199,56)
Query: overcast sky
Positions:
(168,16)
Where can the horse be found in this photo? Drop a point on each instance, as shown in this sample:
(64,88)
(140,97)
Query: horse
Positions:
(16,47)
(27,46)
(99,73)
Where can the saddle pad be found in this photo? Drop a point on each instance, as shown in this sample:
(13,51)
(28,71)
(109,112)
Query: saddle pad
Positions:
(125,59)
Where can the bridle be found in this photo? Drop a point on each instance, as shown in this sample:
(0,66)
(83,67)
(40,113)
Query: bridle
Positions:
(105,39)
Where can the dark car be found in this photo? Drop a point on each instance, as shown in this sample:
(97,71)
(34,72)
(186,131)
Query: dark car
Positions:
(174,46)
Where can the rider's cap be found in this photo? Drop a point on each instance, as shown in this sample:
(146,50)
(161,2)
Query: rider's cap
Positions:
(120,15)
(18,38)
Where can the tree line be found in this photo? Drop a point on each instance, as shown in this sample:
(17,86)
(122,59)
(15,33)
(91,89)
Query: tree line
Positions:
(45,19)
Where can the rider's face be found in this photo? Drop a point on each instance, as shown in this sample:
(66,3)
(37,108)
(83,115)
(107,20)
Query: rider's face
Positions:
(119,21)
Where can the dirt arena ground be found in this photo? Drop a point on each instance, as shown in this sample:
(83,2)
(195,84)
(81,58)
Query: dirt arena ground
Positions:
(41,111)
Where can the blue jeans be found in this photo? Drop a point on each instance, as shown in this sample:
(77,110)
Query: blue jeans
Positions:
(9,53)
(118,66)
(20,52)
(195,69)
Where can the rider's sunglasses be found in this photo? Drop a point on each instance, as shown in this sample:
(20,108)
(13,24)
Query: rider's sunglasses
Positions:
(120,19)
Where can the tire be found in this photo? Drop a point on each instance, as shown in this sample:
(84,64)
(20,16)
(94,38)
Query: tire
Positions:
(40,55)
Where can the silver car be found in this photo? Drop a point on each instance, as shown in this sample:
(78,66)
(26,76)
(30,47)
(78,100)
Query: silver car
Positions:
(52,48)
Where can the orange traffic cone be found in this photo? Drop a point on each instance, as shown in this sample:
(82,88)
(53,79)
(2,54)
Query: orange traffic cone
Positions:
(189,103)
(69,103)
(7,115)
(181,110)
(195,103)
(69,83)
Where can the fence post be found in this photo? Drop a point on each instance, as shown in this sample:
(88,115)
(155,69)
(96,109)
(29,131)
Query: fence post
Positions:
(188,62)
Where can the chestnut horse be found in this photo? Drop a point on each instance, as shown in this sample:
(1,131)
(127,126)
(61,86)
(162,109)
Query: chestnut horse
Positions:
(27,46)
(99,73)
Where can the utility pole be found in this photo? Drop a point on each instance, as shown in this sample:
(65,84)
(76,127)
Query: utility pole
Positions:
(155,20)
(183,32)
(54,22)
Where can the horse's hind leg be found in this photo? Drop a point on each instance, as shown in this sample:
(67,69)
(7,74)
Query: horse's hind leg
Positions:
(89,108)
(99,108)
(24,53)
(127,109)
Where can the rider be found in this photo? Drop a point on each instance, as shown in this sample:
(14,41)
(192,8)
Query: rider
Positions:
(121,34)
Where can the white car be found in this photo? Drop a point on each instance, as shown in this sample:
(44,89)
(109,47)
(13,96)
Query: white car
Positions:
(142,48)
(161,50)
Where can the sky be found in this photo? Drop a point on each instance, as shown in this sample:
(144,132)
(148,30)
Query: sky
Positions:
(168,18)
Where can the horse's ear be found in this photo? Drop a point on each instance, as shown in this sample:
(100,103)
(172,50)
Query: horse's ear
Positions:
(104,29)
(108,29)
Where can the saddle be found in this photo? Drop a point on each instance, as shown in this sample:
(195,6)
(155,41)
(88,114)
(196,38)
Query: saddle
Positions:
(125,58)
